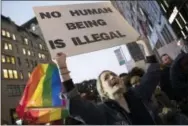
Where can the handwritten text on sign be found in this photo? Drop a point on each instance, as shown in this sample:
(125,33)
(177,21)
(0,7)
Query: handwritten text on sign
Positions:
(82,28)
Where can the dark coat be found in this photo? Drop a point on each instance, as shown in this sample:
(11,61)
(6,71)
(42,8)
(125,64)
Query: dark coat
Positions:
(179,80)
(165,83)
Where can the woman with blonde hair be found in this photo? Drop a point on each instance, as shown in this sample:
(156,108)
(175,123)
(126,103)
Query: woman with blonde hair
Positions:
(119,105)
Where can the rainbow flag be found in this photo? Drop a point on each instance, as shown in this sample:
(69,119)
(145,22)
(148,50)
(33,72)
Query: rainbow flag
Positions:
(41,101)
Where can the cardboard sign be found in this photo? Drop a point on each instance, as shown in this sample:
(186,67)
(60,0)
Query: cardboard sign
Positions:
(83,28)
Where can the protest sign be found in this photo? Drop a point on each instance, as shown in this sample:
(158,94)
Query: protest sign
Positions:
(83,28)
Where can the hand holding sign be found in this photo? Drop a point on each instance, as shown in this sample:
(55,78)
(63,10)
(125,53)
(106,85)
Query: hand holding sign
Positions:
(61,60)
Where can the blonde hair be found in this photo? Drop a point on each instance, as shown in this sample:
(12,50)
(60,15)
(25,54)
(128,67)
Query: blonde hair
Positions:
(100,89)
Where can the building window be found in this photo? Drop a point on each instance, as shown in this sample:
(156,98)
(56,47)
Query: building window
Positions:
(28,52)
(5,46)
(21,75)
(10,73)
(33,28)
(12,60)
(8,34)
(3,60)
(13,90)
(36,63)
(39,55)
(10,46)
(5,73)
(3,32)
(19,62)
(27,62)
(24,51)
(15,74)
(13,37)
(29,74)
(26,41)
(40,46)
(8,59)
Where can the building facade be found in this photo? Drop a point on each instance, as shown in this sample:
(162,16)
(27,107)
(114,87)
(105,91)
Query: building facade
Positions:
(147,18)
(21,51)
(176,13)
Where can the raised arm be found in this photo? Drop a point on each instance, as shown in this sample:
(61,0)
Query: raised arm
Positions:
(78,107)
(152,76)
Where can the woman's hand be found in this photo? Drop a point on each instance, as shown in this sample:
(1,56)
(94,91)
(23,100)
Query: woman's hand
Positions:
(60,60)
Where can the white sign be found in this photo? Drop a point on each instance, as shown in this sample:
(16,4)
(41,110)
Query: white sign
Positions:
(82,28)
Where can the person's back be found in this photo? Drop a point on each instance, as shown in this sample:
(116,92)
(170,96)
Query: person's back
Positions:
(165,82)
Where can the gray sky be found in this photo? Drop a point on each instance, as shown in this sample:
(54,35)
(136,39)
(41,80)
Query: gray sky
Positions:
(82,67)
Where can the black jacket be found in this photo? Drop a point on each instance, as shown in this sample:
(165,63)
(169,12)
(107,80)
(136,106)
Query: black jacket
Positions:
(110,112)
(165,83)
(179,80)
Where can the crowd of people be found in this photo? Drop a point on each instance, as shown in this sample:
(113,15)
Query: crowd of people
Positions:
(157,95)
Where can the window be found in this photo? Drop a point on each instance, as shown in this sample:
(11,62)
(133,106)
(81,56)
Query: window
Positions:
(24,51)
(33,26)
(29,74)
(3,60)
(8,59)
(39,55)
(5,46)
(10,46)
(13,37)
(5,73)
(19,62)
(27,62)
(26,41)
(13,90)
(21,75)
(28,52)
(15,74)
(40,46)
(8,34)
(43,56)
(12,60)
(3,32)
(36,63)
(10,74)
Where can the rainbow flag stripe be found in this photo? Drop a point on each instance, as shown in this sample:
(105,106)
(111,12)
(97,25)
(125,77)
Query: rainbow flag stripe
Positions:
(41,98)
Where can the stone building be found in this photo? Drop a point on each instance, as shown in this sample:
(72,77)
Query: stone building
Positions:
(21,51)
(147,18)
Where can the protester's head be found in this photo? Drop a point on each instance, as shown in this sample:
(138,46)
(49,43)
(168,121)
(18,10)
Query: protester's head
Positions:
(135,80)
(136,71)
(123,76)
(184,64)
(166,59)
(110,86)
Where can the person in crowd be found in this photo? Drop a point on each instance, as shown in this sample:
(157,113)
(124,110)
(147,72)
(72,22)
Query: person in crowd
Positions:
(165,82)
(120,105)
(179,81)
(136,71)
(125,78)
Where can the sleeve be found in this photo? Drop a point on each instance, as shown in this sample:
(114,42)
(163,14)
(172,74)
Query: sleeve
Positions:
(88,112)
(150,79)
